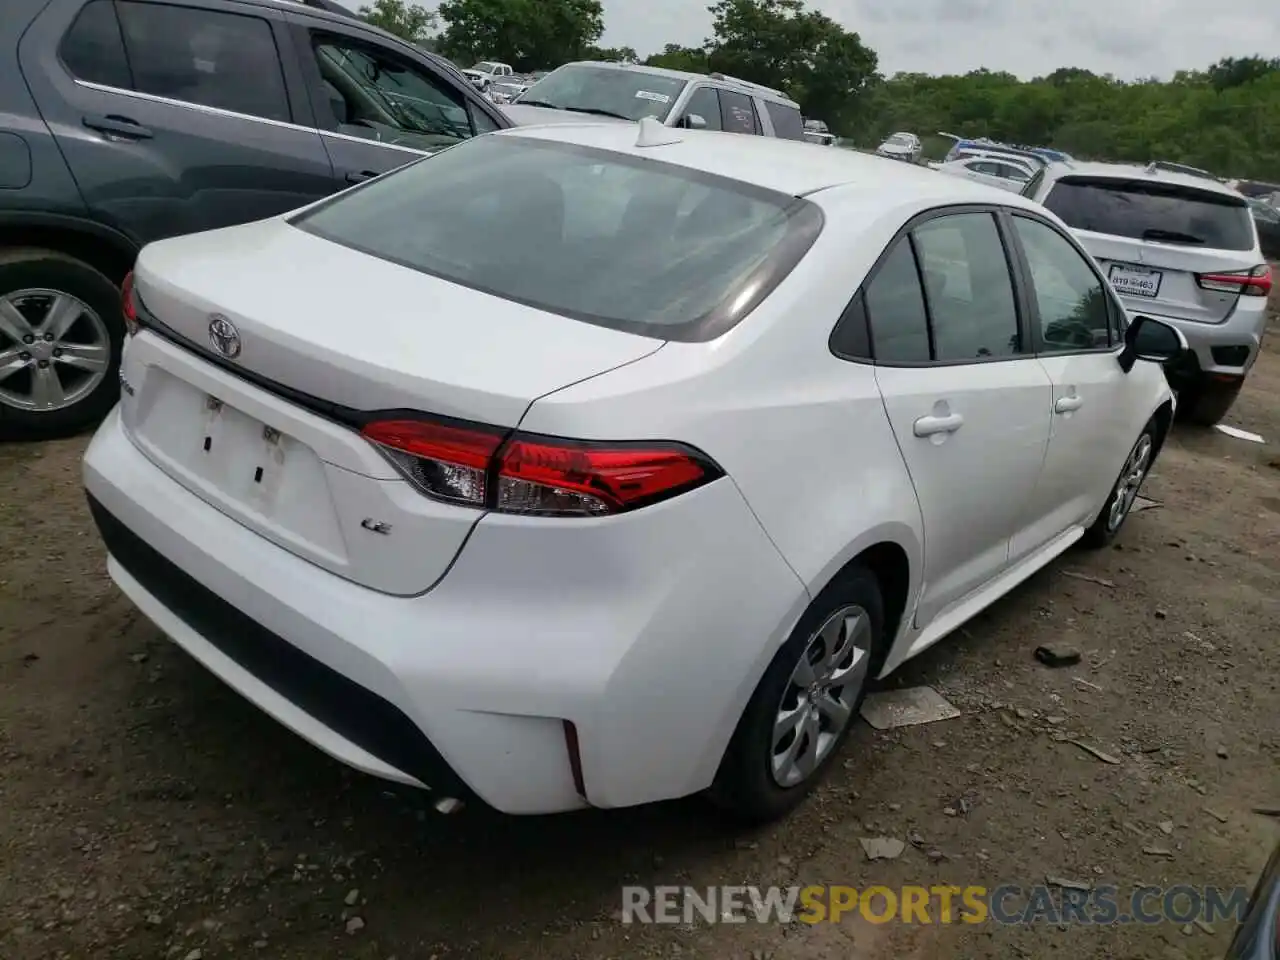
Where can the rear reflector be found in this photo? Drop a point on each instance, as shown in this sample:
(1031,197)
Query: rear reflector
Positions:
(1248,283)
(127,305)
(479,466)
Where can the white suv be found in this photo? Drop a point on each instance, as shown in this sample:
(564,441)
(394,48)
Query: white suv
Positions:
(1180,247)
(597,464)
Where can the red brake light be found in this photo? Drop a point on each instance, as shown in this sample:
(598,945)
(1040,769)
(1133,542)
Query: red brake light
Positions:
(529,474)
(127,305)
(1248,283)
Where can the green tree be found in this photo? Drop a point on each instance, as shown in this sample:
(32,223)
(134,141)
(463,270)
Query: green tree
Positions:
(781,44)
(618,54)
(404,18)
(528,34)
(676,57)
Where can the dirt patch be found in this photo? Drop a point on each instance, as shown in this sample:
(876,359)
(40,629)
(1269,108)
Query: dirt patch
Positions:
(146,811)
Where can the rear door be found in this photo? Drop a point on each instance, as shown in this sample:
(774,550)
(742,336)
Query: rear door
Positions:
(1153,238)
(177,116)
(967,399)
(377,106)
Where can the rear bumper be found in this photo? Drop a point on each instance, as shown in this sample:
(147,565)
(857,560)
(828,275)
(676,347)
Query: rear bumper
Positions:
(1229,348)
(647,632)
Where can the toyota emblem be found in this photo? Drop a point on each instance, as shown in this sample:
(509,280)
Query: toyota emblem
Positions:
(224,336)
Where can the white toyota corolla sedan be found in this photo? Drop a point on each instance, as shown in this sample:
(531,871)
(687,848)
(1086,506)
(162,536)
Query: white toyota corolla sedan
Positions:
(596,464)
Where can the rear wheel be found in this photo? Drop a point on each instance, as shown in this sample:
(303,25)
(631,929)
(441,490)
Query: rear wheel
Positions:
(60,336)
(806,703)
(1125,490)
(1207,401)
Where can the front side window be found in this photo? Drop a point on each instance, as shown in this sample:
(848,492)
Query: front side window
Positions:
(93,49)
(623,242)
(704,103)
(896,310)
(968,287)
(1154,211)
(606,91)
(377,96)
(217,59)
(738,113)
(1071,300)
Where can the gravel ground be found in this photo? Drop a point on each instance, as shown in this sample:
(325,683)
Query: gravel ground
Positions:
(146,811)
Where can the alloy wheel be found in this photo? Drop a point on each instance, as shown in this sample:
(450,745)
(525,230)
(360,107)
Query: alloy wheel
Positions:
(54,350)
(1131,477)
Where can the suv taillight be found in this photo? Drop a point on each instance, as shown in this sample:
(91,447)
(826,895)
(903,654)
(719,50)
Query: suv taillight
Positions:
(127,305)
(483,467)
(1249,283)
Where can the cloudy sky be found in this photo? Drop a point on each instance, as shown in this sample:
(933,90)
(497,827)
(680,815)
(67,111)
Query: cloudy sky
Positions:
(1130,38)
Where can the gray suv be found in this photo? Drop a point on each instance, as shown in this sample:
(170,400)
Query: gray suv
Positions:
(1178,246)
(125,121)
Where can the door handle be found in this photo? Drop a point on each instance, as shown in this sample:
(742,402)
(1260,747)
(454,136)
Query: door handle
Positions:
(360,176)
(1067,404)
(928,426)
(118,126)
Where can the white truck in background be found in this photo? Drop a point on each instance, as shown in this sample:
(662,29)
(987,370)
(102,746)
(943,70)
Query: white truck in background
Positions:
(486,72)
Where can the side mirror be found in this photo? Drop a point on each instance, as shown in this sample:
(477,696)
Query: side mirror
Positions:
(1149,339)
(693,121)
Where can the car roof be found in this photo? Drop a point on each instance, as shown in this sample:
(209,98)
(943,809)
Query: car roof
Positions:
(787,166)
(745,86)
(1134,171)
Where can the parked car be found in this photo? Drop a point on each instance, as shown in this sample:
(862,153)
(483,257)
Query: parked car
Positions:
(624,91)
(997,170)
(902,146)
(548,543)
(125,122)
(1258,935)
(505,91)
(487,72)
(1181,247)
(816,131)
(963,149)
(1266,219)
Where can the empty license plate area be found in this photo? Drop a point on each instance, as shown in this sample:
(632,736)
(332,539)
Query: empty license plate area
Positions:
(1130,280)
(250,470)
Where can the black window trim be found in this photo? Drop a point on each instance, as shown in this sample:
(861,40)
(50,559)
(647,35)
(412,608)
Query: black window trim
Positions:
(124,50)
(1115,312)
(1016,278)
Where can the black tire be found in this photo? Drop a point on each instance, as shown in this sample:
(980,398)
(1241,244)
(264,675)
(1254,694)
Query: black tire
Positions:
(745,786)
(1102,532)
(1206,401)
(23,269)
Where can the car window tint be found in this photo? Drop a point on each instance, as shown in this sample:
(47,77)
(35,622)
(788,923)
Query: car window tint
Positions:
(895,309)
(1072,301)
(787,123)
(1150,210)
(373,94)
(982,166)
(968,287)
(217,59)
(93,49)
(623,242)
(738,113)
(705,103)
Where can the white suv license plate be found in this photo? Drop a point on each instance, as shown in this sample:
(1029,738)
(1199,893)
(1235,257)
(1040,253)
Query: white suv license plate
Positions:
(1135,281)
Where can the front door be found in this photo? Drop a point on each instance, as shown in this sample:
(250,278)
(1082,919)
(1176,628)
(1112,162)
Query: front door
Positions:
(968,401)
(174,117)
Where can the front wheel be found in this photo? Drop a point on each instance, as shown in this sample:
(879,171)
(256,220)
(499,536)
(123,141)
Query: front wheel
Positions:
(805,704)
(1125,491)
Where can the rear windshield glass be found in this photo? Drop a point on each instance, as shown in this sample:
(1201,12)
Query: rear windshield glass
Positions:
(1159,212)
(623,242)
(605,91)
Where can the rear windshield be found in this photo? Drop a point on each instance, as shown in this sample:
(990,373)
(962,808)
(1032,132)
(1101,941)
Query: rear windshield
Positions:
(1147,210)
(623,242)
(606,91)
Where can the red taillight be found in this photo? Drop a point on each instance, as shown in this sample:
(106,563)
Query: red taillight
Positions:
(127,305)
(528,474)
(1249,283)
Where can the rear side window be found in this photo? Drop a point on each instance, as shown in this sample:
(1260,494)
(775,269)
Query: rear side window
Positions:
(208,57)
(786,120)
(93,49)
(619,241)
(738,113)
(1150,210)
(896,311)
(968,287)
